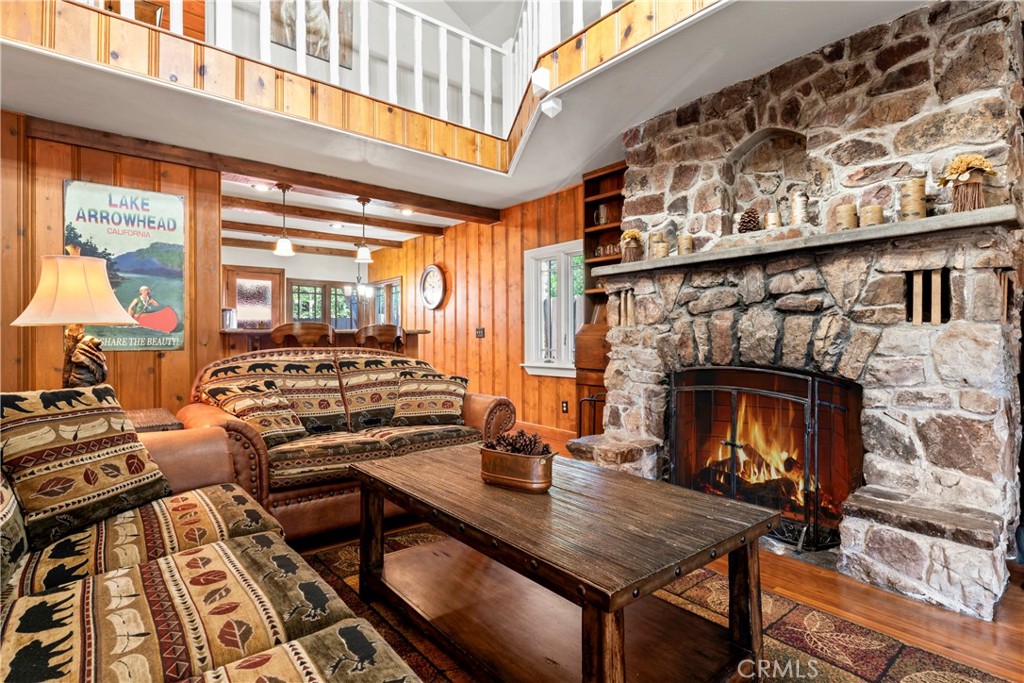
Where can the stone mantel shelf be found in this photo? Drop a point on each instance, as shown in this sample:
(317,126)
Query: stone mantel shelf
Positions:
(990,216)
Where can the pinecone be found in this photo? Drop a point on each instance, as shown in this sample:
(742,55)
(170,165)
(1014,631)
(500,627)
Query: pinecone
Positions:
(750,221)
(520,442)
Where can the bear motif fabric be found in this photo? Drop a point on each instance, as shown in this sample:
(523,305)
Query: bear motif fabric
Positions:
(73,458)
(262,406)
(351,650)
(310,385)
(430,399)
(371,387)
(169,619)
(180,522)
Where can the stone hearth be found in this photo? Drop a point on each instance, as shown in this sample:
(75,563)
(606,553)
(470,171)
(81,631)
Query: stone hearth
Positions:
(941,418)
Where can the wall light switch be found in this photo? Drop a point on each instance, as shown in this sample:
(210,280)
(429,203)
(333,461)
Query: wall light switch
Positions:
(479,333)
(565,406)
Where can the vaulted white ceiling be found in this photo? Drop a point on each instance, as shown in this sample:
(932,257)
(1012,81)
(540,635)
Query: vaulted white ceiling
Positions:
(738,40)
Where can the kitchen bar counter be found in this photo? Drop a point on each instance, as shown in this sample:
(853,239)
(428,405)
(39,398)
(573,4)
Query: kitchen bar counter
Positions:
(240,340)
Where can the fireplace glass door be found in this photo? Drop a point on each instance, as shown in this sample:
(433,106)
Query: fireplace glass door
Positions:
(782,440)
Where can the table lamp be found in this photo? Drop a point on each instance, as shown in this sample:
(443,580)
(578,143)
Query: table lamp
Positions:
(74,290)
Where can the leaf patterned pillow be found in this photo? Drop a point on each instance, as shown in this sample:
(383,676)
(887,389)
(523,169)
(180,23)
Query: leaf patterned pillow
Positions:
(430,399)
(73,459)
(260,404)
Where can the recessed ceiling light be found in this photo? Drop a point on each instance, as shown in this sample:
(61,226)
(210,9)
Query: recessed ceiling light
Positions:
(407,212)
(261,187)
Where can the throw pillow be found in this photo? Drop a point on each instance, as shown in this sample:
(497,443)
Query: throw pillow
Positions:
(262,406)
(310,385)
(371,387)
(73,459)
(430,399)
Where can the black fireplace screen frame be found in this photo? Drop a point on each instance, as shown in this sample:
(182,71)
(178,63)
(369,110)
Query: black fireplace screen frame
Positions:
(808,534)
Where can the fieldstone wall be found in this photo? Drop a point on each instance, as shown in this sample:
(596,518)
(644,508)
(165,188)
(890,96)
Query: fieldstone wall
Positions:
(858,117)
(849,123)
(941,421)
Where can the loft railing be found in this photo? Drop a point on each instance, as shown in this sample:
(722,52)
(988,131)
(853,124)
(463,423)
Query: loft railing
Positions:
(392,52)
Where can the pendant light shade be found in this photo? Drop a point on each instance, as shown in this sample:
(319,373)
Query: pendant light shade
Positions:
(363,251)
(284,245)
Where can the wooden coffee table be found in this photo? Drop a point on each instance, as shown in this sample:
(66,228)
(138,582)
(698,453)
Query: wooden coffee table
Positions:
(510,602)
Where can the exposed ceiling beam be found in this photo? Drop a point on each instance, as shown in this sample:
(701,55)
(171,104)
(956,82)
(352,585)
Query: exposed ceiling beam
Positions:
(257,229)
(299,248)
(44,129)
(257,206)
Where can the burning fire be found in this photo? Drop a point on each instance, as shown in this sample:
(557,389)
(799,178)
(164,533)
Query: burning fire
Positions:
(771,443)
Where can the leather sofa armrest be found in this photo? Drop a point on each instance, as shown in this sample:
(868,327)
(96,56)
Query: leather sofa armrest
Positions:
(251,461)
(191,458)
(492,415)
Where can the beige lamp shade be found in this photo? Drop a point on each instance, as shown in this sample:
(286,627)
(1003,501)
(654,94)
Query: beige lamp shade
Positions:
(74,290)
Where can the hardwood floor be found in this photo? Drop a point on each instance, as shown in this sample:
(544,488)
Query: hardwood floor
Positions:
(996,647)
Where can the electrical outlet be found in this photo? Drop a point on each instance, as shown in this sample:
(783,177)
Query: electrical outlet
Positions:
(565,406)
(479,333)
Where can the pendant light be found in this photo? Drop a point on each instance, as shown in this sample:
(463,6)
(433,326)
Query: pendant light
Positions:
(363,251)
(284,245)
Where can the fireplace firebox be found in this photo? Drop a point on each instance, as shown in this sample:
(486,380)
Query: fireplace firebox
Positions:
(786,440)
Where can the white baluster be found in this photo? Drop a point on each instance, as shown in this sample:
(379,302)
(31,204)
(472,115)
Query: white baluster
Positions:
(417,56)
(128,8)
(334,48)
(606,7)
(577,16)
(300,37)
(550,26)
(488,94)
(222,24)
(264,29)
(442,71)
(467,87)
(508,92)
(364,46)
(392,53)
(177,21)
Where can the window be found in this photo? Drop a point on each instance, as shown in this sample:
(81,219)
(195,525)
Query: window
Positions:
(387,302)
(553,307)
(256,294)
(338,303)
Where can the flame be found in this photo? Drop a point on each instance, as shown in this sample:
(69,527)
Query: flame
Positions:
(772,444)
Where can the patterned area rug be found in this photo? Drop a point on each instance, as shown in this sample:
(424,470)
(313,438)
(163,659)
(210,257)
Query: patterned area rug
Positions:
(803,644)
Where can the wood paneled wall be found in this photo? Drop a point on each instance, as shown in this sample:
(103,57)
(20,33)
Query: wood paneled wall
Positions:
(483,266)
(31,225)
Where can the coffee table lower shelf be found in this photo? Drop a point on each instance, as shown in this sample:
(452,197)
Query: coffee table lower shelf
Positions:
(504,627)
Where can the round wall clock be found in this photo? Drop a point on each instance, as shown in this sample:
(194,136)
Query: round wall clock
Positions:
(432,286)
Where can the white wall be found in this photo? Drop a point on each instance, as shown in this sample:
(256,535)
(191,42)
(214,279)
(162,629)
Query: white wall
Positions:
(301,266)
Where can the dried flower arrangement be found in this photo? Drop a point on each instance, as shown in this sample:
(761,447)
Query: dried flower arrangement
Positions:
(962,165)
(965,172)
(631,234)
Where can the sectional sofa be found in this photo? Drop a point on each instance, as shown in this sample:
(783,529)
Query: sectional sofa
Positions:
(196,585)
(350,404)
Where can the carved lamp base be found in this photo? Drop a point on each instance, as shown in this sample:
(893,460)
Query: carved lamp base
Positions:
(84,362)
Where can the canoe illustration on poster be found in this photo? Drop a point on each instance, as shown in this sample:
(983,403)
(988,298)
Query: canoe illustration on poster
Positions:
(141,235)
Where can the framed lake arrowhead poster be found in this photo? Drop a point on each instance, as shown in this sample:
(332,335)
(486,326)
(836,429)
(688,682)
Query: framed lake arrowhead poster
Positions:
(141,235)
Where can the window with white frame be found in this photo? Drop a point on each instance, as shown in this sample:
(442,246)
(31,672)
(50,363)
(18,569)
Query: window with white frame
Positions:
(553,308)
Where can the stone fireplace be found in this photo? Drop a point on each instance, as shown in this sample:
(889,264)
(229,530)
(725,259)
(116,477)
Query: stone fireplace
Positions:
(920,318)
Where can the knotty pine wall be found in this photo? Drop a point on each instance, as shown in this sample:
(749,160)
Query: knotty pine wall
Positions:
(31,225)
(483,267)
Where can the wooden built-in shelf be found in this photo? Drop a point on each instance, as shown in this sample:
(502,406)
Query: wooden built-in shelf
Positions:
(603,259)
(604,195)
(602,228)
